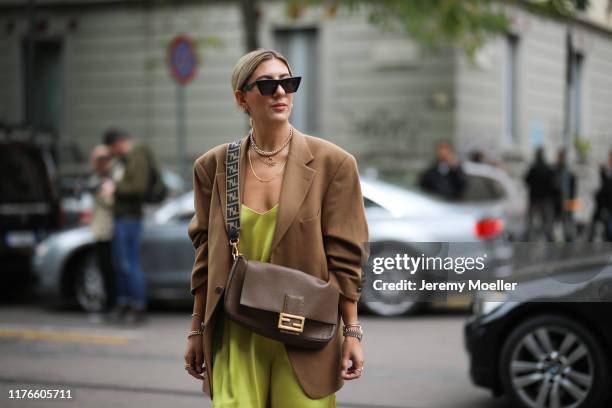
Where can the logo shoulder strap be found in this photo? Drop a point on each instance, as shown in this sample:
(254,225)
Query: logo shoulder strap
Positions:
(232,183)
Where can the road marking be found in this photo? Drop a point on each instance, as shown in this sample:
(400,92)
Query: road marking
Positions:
(65,336)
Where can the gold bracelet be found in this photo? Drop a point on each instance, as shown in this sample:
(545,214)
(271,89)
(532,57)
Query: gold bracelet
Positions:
(194,333)
(198,332)
(195,314)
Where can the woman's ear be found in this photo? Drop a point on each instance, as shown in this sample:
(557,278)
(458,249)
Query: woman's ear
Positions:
(241,101)
(239,97)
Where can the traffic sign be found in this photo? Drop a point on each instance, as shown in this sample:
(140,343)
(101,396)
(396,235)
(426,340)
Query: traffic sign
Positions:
(182,59)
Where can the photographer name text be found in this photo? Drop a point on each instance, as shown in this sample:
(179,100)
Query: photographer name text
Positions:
(424,285)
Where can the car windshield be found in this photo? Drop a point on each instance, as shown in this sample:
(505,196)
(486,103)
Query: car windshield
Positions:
(479,188)
(23,176)
(397,200)
(406,179)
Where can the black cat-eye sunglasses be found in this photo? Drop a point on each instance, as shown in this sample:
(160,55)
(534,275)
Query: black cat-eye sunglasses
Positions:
(269,86)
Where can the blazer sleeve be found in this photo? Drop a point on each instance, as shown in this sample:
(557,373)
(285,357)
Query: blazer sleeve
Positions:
(198,227)
(345,229)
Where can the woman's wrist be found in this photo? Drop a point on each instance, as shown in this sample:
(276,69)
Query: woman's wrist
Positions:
(197,331)
(196,320)
(352,330)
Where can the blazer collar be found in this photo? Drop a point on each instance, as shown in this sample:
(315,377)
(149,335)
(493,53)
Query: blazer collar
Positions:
(296,182)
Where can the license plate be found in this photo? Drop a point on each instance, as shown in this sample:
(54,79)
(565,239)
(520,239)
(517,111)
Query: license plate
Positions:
(20,239)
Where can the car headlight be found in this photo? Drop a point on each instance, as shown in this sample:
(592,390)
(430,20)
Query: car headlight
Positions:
(487,302)
(41,250)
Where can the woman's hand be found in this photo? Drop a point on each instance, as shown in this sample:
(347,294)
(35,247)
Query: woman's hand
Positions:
(352,352)
(107,188)
(194,357)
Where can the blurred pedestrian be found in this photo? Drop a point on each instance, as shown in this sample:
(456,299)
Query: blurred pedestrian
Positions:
(539,180)
(603,201)
(599,215)
(102,187)
(564,196)
(478,156)
(444,177)
(129,196)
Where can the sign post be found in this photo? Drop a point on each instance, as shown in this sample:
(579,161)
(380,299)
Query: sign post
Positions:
(182,62)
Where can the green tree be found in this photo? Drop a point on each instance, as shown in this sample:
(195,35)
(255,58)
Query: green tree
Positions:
(248,9)
(432,23)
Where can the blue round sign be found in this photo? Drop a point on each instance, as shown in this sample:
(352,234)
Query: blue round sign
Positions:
(182,59)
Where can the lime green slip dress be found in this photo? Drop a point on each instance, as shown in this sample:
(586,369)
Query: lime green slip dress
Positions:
(249,370)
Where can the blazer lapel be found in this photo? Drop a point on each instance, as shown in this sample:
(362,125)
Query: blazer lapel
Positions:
(296,182)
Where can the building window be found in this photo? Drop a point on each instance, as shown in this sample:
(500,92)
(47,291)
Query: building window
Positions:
(300,46)
(43,85)
(511,91)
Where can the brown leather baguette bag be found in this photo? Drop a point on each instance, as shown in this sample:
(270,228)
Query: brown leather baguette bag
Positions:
(281,303)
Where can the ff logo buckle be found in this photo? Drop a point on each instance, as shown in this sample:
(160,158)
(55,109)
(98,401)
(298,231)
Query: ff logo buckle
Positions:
(290,322)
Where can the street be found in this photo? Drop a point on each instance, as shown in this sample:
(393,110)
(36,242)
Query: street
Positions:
(450,152)
(411,362)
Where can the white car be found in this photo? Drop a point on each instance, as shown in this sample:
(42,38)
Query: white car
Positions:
(399,220)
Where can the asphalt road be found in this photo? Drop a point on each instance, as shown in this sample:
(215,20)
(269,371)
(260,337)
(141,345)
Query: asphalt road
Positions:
(410,362)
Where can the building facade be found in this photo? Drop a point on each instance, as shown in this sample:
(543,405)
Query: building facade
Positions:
(373,91)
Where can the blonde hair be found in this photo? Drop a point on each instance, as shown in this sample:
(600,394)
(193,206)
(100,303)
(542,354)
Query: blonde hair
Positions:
(248,63)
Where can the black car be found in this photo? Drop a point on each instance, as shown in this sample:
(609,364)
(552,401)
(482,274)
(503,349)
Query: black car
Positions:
(30,206)
(553,347)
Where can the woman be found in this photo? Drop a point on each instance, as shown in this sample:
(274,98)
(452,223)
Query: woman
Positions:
(302,208)
(101,185)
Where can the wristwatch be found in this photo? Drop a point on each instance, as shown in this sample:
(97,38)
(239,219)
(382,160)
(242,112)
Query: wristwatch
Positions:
(353,331)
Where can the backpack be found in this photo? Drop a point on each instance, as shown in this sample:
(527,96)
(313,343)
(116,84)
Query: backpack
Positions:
(157,191)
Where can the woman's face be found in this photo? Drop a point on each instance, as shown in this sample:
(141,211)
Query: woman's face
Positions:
(272,108)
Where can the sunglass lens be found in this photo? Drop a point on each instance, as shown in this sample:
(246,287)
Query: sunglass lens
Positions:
(267,86)
(291,85)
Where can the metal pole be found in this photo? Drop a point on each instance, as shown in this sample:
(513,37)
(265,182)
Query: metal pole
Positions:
(29,71)
(567,136)
(181,131)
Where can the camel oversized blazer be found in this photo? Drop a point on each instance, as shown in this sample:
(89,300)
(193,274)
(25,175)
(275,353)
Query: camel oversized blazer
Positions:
(321,230)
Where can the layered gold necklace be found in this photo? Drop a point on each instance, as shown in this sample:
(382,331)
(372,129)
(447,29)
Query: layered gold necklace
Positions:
(262,180)
(266,156)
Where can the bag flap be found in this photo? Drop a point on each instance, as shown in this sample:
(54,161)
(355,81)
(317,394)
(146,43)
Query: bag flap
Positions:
(266,286)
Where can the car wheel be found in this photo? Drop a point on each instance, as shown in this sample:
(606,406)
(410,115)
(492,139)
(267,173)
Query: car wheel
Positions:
(552,361)
(390,302)
(89,284)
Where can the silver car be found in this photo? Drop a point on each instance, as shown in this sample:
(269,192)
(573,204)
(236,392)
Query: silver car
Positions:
(400,221)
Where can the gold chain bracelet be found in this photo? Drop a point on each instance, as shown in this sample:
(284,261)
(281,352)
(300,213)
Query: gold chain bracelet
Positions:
(198,332)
